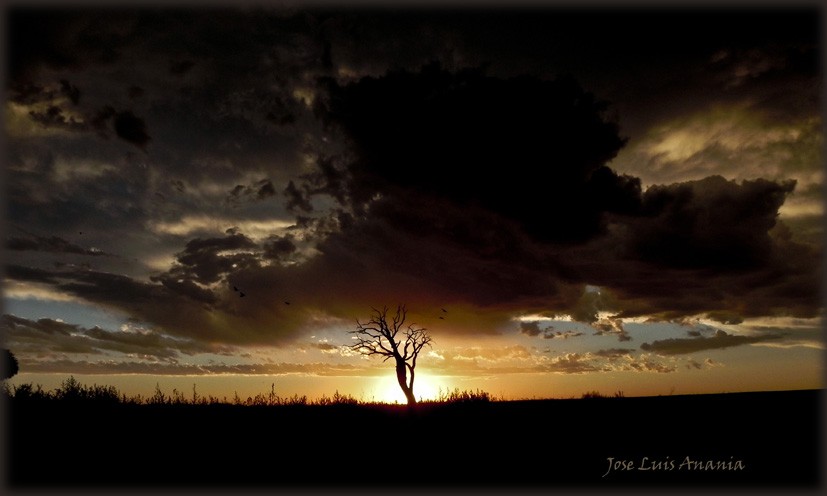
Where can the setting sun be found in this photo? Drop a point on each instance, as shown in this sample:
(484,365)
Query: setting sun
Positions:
(425,388)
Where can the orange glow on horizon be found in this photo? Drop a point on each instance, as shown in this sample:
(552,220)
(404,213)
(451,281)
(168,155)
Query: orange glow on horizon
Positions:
(425,388)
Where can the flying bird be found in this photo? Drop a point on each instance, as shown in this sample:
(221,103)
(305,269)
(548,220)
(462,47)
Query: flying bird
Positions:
(286,302)
(446,311)
(241,294)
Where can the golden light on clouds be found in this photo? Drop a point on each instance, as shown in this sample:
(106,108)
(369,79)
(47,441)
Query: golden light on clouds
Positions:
(21,124)
(193,224)
(305,95)
(733,141)
(24,290)
(817,345)
(801,207)
(83,170)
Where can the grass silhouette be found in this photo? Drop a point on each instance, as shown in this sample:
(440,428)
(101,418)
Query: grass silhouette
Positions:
(79,436)
(71,390)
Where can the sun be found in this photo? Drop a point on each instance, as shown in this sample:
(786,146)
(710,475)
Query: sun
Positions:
(425,388)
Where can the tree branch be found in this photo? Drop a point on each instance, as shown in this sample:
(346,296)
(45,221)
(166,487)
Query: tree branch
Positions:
(379,337)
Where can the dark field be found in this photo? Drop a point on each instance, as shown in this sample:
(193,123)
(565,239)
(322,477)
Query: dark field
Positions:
(763,441)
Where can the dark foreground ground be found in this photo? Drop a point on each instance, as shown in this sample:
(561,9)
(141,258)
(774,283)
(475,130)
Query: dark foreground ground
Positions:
(753,441)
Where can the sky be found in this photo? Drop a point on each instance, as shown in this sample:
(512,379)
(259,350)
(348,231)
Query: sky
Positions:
(569,200)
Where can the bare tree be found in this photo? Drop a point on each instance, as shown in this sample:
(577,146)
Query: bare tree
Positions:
(381,336)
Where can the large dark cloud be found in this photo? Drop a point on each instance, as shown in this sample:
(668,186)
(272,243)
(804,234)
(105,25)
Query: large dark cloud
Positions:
(710,246)
(454,135)
(513,172)
(712,223)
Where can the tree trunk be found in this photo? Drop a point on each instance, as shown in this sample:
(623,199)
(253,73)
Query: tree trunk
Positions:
(402,379)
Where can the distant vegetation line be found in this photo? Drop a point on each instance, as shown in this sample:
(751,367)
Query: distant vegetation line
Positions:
(71,390)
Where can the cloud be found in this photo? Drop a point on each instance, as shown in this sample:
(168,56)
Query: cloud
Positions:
(48,337)
(28,94)
(606,361)
(260,190)
(297,199)
(571,363)
(738,66)
(503,246)
(711,223)
(680,346)
(54,116)
(428,185)
(206,261)
(131,128)
(64,366)
(279,247)
(712,363)
(25,290)
(328,348)
(614,353)
(69,91)
(737,140)
(30,274)
(179,310)
(189,225)
(648,364)
(612,326)
(48,108)
(441,130)
(721,239)
(563,335)
(488,354)
(794,343)
(630,242)
(54,244)
(330,178)
(532,328)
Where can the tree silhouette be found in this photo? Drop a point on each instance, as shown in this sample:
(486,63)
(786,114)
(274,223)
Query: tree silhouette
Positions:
(381,336)
(8,364)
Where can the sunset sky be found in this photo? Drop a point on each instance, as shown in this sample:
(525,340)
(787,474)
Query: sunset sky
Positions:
(612,200)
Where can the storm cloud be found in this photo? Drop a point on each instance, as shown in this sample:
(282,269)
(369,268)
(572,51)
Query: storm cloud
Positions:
(431,206)
(339,160)
(448,135)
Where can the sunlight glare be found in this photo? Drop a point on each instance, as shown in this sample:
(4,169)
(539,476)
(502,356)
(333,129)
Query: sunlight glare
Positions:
(425,388)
